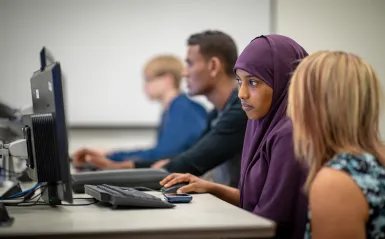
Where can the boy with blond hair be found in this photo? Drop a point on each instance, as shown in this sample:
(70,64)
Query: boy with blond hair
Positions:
(183,120)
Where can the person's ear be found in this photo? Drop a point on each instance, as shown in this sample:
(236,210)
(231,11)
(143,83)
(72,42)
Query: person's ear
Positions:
(215,66)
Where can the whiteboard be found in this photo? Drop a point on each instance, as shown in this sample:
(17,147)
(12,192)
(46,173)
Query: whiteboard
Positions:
(102,46)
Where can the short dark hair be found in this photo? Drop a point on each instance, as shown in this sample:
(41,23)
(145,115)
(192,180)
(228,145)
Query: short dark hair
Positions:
(216,44)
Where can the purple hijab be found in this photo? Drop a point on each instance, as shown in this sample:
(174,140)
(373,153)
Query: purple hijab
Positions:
(271,179)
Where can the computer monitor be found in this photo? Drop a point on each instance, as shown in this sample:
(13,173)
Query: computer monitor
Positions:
(45,132)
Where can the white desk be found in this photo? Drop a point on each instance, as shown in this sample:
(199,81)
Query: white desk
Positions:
(205,217)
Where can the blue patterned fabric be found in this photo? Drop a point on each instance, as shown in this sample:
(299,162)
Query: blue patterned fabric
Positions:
(369,175)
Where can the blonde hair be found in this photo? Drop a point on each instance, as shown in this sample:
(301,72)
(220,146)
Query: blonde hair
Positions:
(334,103)
(165,64)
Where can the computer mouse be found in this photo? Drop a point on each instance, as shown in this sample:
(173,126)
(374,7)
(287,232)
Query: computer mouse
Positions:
(173,188)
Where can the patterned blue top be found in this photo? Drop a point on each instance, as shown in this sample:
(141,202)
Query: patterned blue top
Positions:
(369,175)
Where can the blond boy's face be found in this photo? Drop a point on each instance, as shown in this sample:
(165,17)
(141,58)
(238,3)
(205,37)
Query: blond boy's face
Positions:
(154,86)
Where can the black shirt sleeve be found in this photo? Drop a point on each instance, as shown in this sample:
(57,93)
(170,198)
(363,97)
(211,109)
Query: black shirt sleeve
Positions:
(222,142)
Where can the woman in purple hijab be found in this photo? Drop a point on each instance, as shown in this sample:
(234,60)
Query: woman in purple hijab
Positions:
(271,178)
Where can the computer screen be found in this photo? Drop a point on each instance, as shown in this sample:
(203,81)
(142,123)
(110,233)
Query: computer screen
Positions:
(45,132)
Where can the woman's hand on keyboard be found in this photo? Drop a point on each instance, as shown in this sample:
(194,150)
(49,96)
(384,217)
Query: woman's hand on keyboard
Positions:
(196,184)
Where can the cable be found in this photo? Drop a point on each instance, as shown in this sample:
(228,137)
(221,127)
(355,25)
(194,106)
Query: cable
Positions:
(26,191)
(26,202)
(37,202)
(20,194)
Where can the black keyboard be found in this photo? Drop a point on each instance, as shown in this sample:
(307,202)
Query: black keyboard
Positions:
(128,197)
(145,177)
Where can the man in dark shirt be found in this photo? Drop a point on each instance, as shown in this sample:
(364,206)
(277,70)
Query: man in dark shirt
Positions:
(210,60)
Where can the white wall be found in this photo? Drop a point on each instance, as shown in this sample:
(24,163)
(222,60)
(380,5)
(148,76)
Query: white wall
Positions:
(2,31)
(350,25)
(103,44)
(107,139)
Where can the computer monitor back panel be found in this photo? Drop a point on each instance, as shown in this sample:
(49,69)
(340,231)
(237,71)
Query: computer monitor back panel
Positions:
(47,98)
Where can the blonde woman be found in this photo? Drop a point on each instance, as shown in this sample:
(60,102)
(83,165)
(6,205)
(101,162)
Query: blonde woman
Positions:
(334,103)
